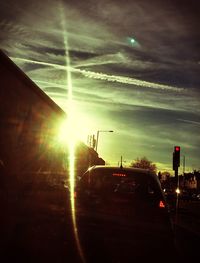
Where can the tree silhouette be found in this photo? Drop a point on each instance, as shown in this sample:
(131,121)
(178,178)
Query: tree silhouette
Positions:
(144,163)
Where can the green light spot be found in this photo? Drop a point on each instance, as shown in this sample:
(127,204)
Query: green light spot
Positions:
(132,41)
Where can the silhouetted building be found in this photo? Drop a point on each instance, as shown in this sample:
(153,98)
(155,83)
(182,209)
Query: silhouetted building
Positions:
(28,126)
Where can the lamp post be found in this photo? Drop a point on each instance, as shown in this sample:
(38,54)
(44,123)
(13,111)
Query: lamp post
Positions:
(98,137)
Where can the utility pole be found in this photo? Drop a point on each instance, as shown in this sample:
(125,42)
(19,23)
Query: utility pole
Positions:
(183,171)
(176,164)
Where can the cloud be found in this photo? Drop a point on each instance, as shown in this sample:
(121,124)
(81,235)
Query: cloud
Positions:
(195,123)
(148,92)
(122,92)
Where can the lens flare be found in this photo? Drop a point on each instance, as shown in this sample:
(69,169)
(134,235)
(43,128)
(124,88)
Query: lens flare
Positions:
(76,128)
(70,128)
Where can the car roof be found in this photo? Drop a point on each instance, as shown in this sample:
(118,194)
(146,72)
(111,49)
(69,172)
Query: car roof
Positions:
(125,169)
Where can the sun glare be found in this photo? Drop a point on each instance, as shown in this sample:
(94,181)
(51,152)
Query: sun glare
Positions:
(66,133)
(76,129)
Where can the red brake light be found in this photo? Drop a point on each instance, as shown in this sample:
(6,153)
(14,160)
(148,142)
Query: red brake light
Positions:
(119,174)
(161,204)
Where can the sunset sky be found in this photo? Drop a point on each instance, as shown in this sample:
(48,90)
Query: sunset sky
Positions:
(135,69)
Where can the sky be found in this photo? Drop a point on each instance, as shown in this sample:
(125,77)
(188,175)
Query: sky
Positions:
(134,65)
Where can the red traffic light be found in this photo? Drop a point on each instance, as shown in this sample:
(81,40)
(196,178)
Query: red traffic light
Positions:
(176,157)
(177,148)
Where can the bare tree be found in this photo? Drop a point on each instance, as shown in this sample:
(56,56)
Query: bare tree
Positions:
(144,163)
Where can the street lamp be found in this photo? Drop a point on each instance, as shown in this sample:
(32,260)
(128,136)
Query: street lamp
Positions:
(98,137)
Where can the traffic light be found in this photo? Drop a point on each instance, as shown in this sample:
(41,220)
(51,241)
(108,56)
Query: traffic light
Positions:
(176,157)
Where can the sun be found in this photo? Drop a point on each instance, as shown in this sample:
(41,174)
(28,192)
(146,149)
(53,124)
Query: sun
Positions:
(76,128)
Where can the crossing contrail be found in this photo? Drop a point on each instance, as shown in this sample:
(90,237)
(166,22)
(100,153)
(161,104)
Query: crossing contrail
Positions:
(106,77)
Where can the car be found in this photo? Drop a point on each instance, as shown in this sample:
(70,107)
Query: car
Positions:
(198,197)
(124,210)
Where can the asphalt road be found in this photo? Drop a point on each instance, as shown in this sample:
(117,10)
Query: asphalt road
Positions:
(187,229)
(36,226)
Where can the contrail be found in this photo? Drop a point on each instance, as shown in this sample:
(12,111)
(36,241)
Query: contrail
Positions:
(101,60)
(191,122)
(126,80)
(57,66)
(107,77)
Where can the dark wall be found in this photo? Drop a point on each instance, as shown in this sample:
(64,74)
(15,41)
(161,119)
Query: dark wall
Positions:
(28,126)
(28,121)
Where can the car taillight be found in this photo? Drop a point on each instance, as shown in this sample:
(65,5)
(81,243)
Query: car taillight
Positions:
(161,204)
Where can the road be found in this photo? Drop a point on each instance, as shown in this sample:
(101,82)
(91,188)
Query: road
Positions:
(187,229)
(36,226)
